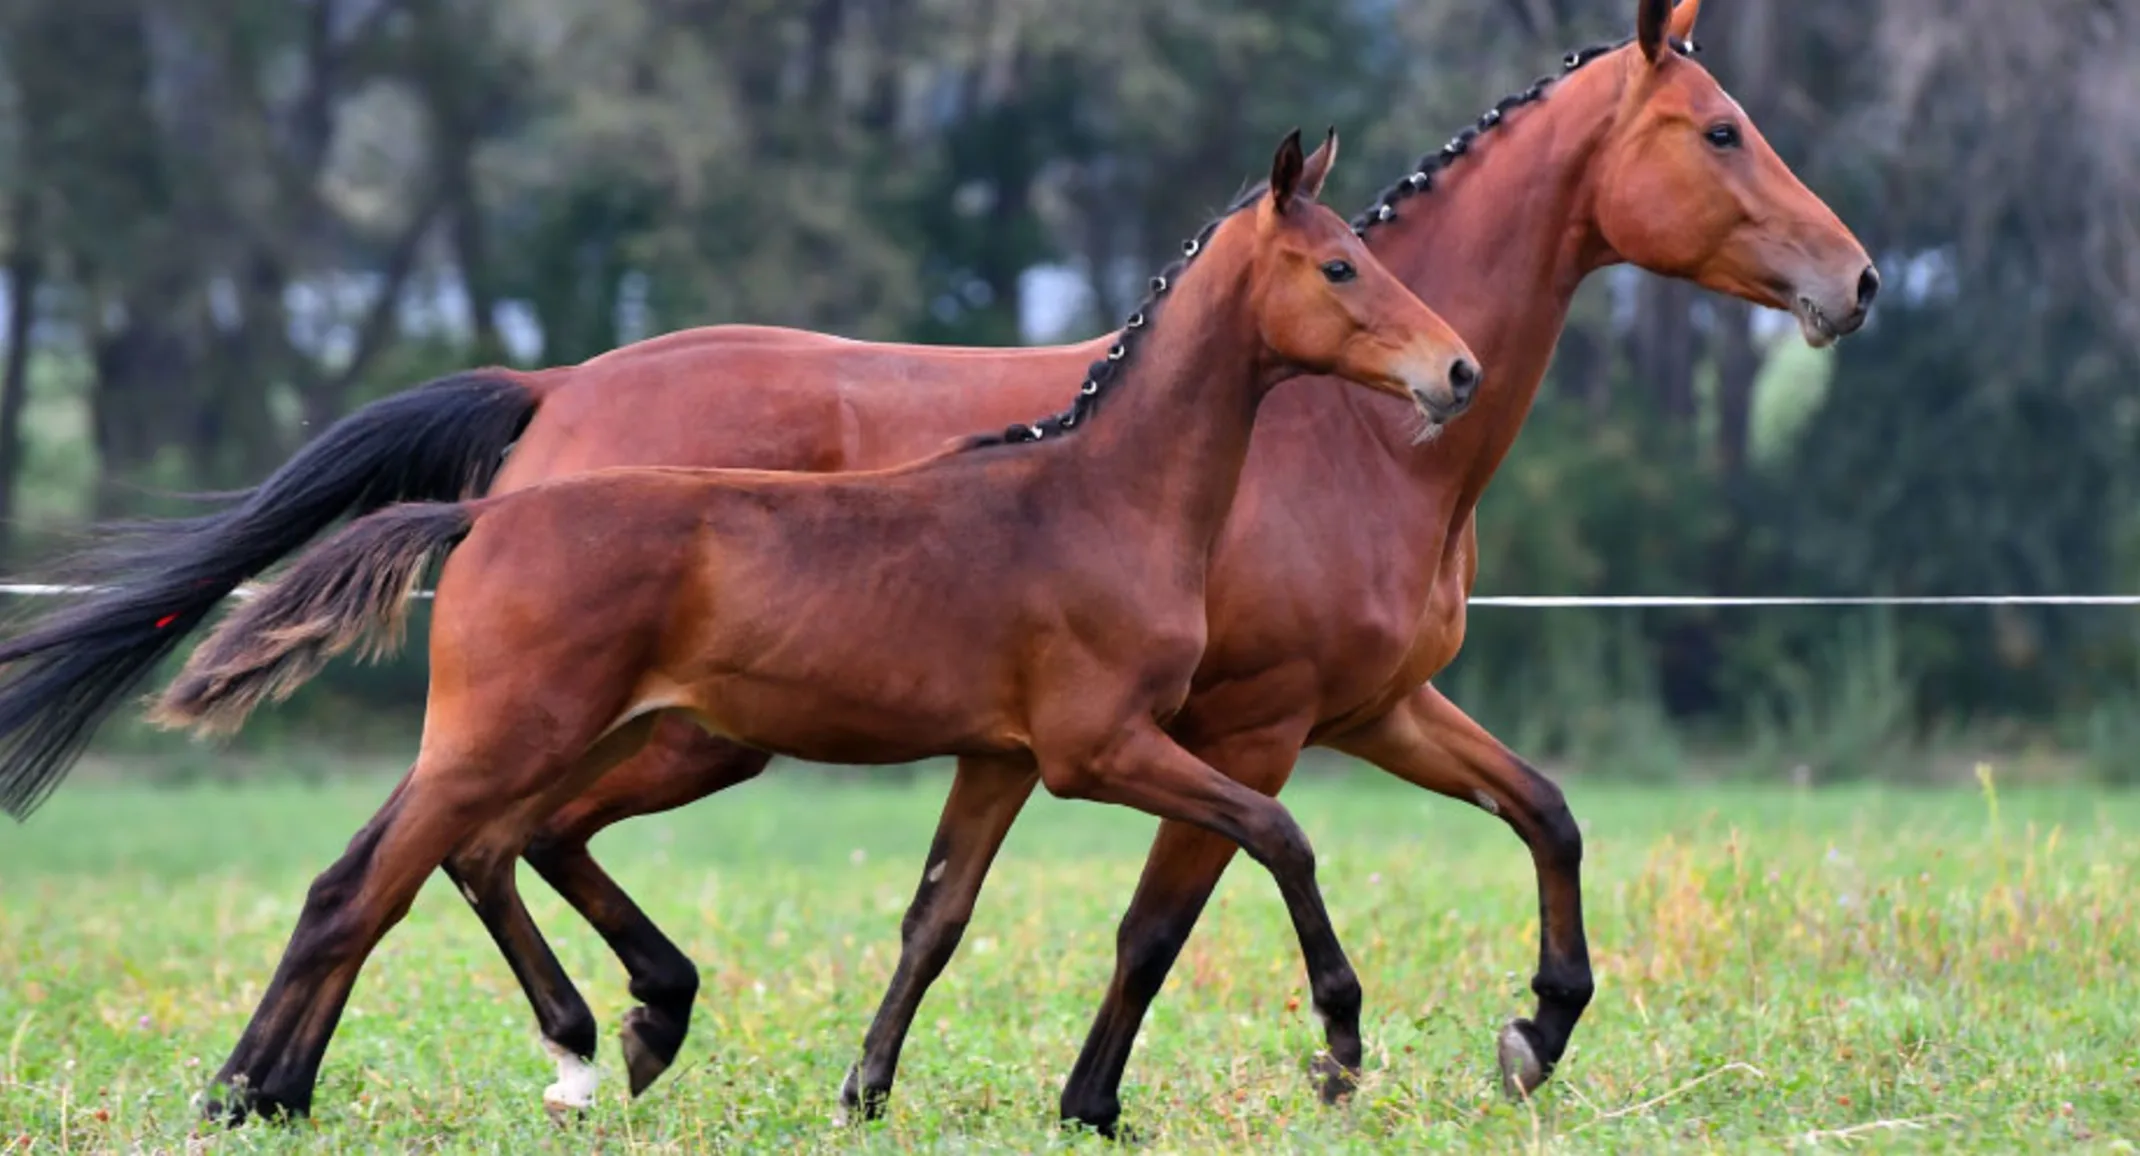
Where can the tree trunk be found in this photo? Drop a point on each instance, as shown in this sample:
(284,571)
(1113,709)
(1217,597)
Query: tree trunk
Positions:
(1664,346)
(24,275)
(1738,364)
(471,252)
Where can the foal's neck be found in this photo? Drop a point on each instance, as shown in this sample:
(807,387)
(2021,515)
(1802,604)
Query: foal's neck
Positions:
(1499,252)
(1168,440)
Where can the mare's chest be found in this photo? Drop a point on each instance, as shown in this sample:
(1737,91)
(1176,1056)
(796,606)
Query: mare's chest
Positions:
(1334,597)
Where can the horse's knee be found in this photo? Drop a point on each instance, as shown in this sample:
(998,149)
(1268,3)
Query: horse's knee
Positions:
(1336,992)
(1277,841)
(1560,837)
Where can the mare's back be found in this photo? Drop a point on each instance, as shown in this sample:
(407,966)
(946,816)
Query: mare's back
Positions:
(805,402)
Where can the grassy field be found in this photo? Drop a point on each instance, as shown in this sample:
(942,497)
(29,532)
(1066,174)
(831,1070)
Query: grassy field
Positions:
(1863,969)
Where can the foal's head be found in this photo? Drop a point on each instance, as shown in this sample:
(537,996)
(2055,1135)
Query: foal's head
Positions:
(1688,187)
(1323,304)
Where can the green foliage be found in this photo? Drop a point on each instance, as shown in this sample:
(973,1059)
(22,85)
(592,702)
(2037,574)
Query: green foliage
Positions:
(251,217)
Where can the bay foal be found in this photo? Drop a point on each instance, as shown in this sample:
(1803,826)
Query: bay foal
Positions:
(1035,607)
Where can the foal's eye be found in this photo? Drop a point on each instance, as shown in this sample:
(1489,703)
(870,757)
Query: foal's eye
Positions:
(1339,272)
(1722,136)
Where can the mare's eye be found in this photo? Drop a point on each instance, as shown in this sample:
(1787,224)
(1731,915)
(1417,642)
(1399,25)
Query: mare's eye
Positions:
(1722,136)
(1339,272)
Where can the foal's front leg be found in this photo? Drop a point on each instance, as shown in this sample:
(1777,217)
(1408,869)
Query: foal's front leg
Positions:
(986,797)
(1427,741)
(1149,771)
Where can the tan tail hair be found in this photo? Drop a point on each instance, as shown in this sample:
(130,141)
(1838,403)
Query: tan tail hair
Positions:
(353,589)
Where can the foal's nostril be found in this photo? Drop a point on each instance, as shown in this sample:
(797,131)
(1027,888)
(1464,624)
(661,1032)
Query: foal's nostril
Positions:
(1464,378)
(1868,287)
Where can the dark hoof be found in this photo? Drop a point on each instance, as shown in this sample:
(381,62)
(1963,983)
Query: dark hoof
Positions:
(650,1046)
(232,1104)
(1107,1121)
(1519,1048)
(1338,1081)
(857,1106)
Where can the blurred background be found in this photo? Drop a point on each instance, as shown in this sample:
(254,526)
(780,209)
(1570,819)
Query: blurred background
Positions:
(225,223)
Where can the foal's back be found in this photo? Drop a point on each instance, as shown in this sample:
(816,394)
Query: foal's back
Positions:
(856,618)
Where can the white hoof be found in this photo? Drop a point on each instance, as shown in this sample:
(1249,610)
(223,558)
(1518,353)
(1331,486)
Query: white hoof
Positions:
(573,1092)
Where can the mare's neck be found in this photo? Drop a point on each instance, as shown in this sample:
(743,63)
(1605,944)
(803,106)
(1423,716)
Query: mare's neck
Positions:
(1498,248)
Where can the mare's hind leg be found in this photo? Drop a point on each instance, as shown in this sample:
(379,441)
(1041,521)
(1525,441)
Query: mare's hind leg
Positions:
(985,800)
(1180,872)
(350,906)
(682,764)
(1427,741)
(1145,769)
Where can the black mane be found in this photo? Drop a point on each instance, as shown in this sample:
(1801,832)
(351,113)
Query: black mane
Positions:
(1430,166)
(1104,373)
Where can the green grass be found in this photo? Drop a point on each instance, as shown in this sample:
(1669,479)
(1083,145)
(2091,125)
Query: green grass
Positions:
(1881,970)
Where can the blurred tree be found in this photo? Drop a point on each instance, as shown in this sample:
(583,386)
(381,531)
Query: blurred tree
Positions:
(243,217)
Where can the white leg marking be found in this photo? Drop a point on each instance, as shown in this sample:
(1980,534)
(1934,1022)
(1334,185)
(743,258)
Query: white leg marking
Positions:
(575,1079)
(937,872)
(1486,802)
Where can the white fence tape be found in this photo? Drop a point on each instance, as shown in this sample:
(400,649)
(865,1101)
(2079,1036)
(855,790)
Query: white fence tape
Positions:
(1526,602)
(1647,601)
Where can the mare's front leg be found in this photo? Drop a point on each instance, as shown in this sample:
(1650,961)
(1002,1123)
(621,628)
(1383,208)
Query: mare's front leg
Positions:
(1427,741)
(1180,872)
(1147,770)
(986,796)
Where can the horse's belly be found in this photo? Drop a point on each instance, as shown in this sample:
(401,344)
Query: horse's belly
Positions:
(829,723)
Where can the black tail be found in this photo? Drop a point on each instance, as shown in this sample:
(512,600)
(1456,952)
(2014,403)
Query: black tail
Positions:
(159,580)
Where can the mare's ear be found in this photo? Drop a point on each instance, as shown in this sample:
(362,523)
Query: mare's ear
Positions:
(1286,169)
(1651,17)
(1683,18)
(1318,166)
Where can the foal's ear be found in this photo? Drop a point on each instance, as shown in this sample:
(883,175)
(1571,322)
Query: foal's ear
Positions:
(1683,18)
(1318,165)
(1286,169)
(1651,17)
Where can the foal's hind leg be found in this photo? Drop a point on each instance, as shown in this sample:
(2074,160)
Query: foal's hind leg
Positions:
(985,800)
(681,764)
(1426,740)
(487,881)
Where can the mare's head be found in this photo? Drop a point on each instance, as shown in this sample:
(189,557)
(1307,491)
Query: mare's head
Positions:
(1324,305)
(1687,187)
